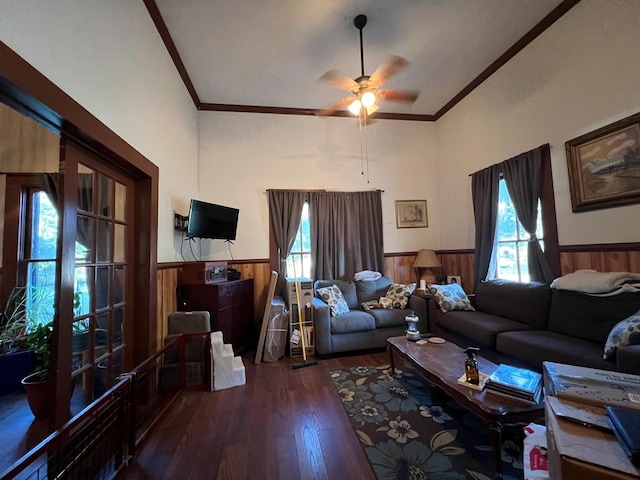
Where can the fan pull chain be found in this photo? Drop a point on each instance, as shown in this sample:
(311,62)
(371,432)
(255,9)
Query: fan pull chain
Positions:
(364,147)
(361,145)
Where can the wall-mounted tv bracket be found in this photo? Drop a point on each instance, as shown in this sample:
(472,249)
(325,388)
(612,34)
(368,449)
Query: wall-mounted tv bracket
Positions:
(180,222)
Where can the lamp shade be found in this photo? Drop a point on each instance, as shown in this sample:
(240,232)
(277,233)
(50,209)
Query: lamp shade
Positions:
(426,258)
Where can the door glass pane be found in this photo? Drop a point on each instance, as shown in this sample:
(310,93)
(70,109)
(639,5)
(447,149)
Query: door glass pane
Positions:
(85,188)
(119,243)
(104,241)
(120,201)
(84,239)
(118,285)
(101,342)
(105,195)
(44,227)
(82,291)
(118,319)
(102,287)
(80,344)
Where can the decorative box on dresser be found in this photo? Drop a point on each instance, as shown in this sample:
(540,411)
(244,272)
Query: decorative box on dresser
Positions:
(230,304)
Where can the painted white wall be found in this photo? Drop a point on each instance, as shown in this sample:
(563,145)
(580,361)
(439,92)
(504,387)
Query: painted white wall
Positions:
(243,154)
(579,75)
(108,56)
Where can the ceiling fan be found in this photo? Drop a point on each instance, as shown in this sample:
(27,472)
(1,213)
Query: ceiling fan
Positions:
(366,89)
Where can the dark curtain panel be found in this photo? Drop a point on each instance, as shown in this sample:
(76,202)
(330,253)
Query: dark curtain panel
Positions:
(484,191)
(285,209)
(346,233)
(523,175)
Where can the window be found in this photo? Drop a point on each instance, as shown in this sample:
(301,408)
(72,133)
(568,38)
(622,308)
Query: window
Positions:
(512,240)
(299,260)
(38,265)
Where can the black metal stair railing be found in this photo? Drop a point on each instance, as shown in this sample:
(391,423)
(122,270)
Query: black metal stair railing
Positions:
(101,440)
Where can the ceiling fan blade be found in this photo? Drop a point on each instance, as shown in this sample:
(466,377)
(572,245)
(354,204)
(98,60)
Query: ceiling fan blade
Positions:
(387,70)
(336,79)
(345,102)
(406,96)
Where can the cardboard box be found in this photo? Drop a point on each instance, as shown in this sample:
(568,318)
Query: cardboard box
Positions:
(591,386)
(578,452)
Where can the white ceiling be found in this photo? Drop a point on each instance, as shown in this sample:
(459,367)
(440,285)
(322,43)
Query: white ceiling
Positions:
(271,53)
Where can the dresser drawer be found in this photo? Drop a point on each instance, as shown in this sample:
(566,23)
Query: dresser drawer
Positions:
(231,293)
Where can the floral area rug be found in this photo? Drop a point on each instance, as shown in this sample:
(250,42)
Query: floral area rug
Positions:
(412,430)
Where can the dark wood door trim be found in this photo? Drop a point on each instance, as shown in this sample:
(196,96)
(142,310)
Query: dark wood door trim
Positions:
(28,91)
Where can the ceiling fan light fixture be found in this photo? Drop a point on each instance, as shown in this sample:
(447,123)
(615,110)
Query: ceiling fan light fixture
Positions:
(354,107)
(368,99)
(371,109)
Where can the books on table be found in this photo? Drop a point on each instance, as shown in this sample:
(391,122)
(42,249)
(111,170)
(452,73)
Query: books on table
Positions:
(516,383)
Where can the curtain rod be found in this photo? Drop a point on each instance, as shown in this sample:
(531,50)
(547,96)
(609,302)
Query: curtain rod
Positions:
(541,146)
(327,190)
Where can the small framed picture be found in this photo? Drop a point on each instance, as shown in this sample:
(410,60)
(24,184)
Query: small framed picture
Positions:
(411,214)
(454,279)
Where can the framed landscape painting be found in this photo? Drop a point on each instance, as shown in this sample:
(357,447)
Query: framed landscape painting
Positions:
(411,213)
(604,166)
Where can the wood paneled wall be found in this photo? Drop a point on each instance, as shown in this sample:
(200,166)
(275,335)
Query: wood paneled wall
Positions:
(167,278)
(26,146)
(602,261)
(604,258)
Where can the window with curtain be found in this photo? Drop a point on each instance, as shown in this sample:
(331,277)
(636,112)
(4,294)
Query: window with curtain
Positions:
(511,246)
(513,203)
(299,260)
(325,235)
(37,265)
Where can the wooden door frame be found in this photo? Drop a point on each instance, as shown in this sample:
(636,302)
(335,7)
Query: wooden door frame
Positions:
(25,89)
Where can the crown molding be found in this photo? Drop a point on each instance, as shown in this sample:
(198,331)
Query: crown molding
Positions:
(553,16)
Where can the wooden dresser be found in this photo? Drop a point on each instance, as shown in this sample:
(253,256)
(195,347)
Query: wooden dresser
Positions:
(230,305)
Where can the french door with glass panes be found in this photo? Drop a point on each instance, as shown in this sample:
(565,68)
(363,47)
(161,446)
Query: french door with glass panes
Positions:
(100,303)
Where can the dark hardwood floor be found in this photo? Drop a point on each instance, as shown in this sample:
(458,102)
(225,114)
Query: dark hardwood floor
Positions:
(283,424)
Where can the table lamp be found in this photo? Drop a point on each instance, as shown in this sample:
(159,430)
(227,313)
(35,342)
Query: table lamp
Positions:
(426,260)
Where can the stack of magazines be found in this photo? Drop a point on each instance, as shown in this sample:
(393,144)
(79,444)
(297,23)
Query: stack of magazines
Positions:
(516,383)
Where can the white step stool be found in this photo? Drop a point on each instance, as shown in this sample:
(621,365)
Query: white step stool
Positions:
(228,371)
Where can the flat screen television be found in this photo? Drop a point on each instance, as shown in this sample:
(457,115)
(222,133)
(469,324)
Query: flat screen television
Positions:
(208,220)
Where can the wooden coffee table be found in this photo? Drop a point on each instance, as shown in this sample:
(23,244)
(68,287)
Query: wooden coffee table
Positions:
(442,364)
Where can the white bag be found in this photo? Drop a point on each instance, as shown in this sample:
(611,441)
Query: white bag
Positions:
(534,454)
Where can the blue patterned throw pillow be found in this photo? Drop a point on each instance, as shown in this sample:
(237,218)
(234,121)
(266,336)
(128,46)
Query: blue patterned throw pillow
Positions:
(332,296)
(626,332)
(451,297)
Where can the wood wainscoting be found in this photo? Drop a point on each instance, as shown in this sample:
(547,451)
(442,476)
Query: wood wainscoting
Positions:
(615,257)
(167,278)
(621,257)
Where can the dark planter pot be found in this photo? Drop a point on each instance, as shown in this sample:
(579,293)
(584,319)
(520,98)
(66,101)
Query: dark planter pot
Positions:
(39,395)
(13,368)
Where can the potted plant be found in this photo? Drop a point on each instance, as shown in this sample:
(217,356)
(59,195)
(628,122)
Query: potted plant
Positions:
(38,384)
(15,356)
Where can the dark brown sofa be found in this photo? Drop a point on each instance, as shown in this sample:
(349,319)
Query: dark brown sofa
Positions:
(528,323)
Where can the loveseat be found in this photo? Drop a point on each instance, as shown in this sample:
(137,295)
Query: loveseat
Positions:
(360,329)
(528,323)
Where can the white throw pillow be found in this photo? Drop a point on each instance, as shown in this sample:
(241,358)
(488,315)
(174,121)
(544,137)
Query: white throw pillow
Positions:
(451,297)
(332,296)
(625,332)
